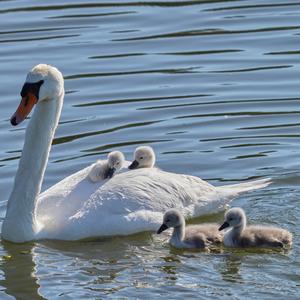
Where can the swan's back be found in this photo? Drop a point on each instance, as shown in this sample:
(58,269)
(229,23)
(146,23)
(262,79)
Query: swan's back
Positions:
(264,236)
(203,235)
(130,202)
(148,190)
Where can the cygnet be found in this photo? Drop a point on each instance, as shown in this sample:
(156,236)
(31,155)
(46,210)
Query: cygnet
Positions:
(244,236)
(104,169)
(144,157)
(193,236)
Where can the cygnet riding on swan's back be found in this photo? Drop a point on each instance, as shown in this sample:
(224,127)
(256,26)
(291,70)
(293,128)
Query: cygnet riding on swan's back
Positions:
(104,169)
(193,236)
(76,208)
(144,157)
(241,235)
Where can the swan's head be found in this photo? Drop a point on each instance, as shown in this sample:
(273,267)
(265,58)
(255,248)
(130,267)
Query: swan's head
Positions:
(172,218)
(115,161)
(144,157)
(43,83)
(234,217)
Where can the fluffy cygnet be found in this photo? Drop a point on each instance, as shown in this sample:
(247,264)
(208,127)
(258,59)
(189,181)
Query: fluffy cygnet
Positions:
(144,157)
(241,235)
(106,168)
(193,236)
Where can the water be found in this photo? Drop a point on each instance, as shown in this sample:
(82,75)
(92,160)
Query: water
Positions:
(213,86)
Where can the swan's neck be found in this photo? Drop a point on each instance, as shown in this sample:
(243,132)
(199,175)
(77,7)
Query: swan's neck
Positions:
(151,163)
(231,236)
(178,236)
(20,222)
(240,227)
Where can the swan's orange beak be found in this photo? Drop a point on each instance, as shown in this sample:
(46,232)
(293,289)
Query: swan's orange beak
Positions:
(25,107)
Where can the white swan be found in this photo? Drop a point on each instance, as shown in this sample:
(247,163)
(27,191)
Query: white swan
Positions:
(75,208)
(104,169)
(144,157)
(243,236)
(193,236)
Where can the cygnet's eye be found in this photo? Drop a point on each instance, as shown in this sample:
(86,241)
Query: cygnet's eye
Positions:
(168,220)
(118,163)
(141,157)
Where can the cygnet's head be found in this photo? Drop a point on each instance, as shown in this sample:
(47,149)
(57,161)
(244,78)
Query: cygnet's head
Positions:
(144,157)
(234,217)
(172,218)
(43,83)
(115,161)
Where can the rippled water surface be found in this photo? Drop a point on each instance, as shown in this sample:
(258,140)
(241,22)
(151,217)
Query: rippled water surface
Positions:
(213,86)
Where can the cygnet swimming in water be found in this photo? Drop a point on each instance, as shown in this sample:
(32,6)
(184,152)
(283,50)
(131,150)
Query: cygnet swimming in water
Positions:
(144,157)
(241,235)
(104,169)
(193,236)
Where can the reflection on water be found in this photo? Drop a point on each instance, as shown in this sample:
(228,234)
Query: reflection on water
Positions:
(19,271)
(231,271)
(170,267)
(213,86)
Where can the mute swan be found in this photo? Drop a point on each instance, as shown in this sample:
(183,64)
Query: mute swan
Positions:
(75,208)
(252,236)
(144,157)
(104,169)
(193,236)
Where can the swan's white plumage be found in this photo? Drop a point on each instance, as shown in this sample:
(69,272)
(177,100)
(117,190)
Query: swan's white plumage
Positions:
(130,202)
(20,222)
(75,208)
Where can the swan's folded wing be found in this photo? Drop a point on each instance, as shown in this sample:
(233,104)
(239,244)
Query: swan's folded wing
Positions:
(130,202)
(66,197)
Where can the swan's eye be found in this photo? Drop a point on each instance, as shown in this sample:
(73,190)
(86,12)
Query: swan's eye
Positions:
(118,163)
(168,220)
(31,87)
(141,157)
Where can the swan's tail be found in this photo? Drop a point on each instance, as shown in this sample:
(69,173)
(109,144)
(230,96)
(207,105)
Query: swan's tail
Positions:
(233,190)
(222,195)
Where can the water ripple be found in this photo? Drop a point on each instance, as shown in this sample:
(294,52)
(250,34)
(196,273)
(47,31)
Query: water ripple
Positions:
(256,6)
(212,86)
(158,71)
(208,31)
(70,138)
(53,37)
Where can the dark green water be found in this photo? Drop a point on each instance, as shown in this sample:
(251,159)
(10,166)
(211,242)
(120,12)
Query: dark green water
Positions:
(213,86)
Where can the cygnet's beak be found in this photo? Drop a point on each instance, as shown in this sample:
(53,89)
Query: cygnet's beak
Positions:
(162,228)
(134,165)
(110,172)
(224,225)
(30,95)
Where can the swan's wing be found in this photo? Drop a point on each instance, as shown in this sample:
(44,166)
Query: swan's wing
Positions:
(149,189)
(135,202)
(267,236)
(129,202)
(67,196)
